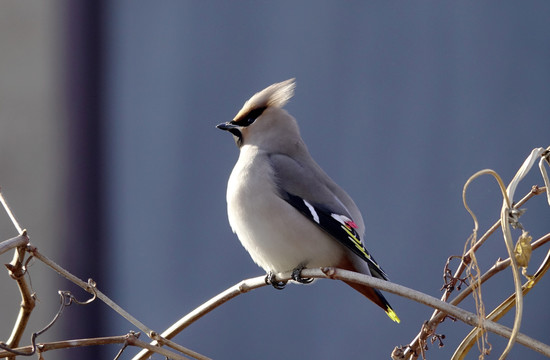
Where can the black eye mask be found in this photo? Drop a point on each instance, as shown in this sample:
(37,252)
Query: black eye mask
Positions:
(249,117)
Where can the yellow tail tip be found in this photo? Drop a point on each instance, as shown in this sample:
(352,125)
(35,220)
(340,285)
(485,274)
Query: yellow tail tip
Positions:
(393,315)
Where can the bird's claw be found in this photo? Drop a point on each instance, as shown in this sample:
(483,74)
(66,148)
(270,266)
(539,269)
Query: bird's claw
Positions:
(271,280)
(297,276)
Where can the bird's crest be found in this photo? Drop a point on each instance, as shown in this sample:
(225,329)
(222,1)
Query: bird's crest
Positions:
(276,95)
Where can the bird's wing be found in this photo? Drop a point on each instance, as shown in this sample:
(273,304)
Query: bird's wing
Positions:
(306,192)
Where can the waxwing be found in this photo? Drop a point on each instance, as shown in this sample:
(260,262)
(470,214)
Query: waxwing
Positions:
(286,211)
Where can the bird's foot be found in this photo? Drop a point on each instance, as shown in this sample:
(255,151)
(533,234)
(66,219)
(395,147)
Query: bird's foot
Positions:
(297,276)
(271,280)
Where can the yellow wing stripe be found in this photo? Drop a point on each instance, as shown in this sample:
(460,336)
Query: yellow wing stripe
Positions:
(356,241)
(359,245)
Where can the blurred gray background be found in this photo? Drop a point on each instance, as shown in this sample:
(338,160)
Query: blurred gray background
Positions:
(110,158)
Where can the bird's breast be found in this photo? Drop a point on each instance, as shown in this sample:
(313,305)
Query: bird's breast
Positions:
(277,236)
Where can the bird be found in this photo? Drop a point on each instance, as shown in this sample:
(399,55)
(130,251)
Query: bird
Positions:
(286,211)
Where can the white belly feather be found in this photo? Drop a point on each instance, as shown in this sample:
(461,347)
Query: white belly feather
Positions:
(277,236)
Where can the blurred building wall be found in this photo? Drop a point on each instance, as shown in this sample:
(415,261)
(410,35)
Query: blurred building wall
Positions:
(33,148)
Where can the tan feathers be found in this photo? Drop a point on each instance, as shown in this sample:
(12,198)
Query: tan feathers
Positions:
(276,95)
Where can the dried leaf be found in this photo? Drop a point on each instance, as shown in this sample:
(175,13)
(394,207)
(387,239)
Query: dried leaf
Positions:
(523,250)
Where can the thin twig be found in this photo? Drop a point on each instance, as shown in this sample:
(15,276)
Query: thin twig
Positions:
(17,270)
(495,269)
(91,288)
(458,313)
(499,266)
(505,217)
(10,213)
(67,344)
(87,287)
(507,234)
(334,273)
(130,339)
(142,344)
(502,309)
(195,355)
(535,190)
(66,299)
(19,240)
(237,289)
(413,349)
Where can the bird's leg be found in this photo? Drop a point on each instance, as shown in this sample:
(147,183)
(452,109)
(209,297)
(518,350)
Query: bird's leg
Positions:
(297,276)
(270,280)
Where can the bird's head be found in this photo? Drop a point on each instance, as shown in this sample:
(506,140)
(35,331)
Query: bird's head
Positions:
(262,121)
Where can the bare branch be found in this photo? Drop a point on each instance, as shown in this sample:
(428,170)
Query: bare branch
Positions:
(129,339)
(10,213)
(495,269)
(535,190)
(19,240)
(220,299)
(142,344)
(458,313)
(340,274)
(413,349)
(162,341)
(67,344)
(66,299)
(17,269)
(503,308)
(89,287)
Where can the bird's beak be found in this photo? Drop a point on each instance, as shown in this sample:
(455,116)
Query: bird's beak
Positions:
(234,130)
(227,126)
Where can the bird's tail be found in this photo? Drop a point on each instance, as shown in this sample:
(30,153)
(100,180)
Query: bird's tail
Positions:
(375,296)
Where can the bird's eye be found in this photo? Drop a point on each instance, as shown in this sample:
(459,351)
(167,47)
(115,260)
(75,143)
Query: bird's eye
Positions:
(250,117)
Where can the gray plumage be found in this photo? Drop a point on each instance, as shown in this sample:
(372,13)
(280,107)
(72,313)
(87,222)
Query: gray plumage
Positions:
(275,169)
